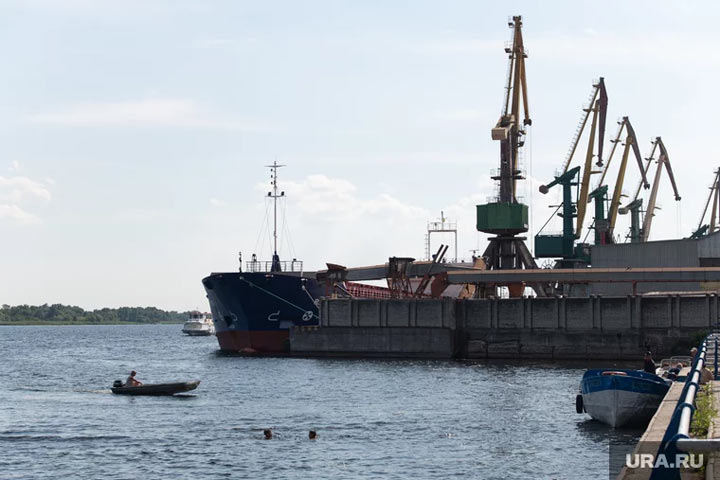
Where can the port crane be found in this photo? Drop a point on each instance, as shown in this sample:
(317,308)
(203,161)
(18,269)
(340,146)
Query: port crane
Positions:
(640,233)
(605,225)
(505,217)
(714,197)
(563,246)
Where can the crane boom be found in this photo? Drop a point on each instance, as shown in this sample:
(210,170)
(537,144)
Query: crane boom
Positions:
(598,91)
(615,202)
(669,168)
(648,162)
(636,151)
(507,130)
(612,152)
(630,144)
(587,170)
(663,161)
(713,215)
(700,230)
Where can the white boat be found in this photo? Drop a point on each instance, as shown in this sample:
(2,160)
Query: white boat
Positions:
(199,324)
(621,397)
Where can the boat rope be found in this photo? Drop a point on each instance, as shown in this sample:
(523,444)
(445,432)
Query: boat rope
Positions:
(314,301)
(307,314)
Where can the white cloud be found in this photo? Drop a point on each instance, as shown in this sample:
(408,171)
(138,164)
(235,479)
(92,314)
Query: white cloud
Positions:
(17,214)
(217,202)
(352,227)
(15,189)
(146,113)
(14,166)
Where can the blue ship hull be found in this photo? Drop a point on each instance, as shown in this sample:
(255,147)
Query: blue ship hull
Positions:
(622,397)
(254,312)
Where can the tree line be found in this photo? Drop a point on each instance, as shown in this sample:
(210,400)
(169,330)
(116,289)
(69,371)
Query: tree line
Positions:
(58,314)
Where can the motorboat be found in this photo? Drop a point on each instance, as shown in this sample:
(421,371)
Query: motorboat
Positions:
(154,388)
(199,324)
(621,397)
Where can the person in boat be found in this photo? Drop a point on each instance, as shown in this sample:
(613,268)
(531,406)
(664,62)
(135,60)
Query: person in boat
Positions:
(693,353)
(268,434)
(132,381)
(312,435)
(649,365)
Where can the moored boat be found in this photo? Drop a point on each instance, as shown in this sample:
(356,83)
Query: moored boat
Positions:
(155,389)
(621,397)
(199,324)
(253,310)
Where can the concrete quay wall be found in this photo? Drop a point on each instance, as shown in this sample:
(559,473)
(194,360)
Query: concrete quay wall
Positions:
(534,328)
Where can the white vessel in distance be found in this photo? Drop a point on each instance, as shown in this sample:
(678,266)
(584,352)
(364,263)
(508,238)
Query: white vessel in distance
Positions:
(199,324)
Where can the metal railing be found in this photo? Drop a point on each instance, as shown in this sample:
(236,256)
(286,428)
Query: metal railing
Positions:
(677,435)
(266,266)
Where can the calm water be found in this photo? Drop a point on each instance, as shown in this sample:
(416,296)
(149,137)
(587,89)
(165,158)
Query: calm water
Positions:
(375,419)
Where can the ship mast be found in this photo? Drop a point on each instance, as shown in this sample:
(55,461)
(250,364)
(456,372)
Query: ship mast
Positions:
(274,195)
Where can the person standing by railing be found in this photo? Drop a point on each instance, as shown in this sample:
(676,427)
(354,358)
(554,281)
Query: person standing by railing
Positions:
(705,374)
(649,364)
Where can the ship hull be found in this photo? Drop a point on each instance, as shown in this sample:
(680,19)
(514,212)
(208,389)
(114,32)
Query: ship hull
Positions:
(198,333)
(622,397)
(254,312)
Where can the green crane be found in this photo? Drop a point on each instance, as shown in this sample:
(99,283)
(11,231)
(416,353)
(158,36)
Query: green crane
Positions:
(554,246)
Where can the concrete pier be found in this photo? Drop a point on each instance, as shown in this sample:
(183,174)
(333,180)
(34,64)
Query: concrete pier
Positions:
(595,327)
(653,435)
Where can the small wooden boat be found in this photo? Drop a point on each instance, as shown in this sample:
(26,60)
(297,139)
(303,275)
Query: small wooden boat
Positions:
(155,388)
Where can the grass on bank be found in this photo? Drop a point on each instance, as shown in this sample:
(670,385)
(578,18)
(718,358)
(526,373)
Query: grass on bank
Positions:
(704,413)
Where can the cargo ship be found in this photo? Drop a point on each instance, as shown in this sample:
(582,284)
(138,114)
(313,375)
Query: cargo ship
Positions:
(253,311)
(254,308)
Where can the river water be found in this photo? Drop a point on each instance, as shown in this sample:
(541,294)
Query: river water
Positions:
(375,419)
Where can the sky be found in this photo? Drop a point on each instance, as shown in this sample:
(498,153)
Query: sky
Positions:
(134,135)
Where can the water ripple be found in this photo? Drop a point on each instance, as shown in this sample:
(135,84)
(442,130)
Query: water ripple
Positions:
(375,418)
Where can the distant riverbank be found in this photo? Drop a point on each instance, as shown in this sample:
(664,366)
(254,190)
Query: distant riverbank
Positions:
(58,314)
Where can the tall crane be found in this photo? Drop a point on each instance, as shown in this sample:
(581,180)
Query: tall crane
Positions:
(663,160)
(554,246)
(605,229)
(598,107)
(507,130)
(506,217)
(642,233)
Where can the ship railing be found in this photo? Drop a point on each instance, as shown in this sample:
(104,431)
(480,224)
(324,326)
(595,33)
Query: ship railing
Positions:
(676,441)
(266,266)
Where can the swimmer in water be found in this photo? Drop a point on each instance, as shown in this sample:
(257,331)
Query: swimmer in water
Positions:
(312,435)
(268,434)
